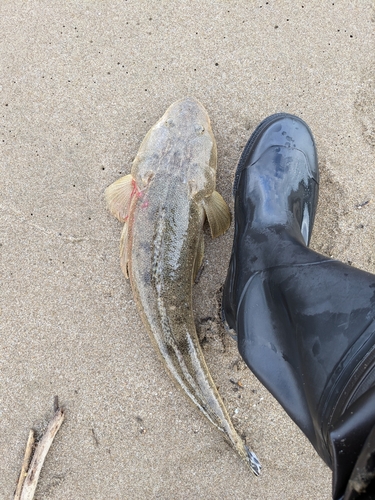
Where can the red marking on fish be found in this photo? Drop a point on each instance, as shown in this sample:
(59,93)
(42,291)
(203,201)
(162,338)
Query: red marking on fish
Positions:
(135,191)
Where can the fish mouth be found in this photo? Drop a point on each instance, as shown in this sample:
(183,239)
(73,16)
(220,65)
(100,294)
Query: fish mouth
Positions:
(190,101)
(188,110)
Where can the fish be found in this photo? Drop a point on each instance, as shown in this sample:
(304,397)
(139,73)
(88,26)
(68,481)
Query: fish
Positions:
(163,204)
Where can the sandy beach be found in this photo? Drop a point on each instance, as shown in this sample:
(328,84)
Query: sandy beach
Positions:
(81,83)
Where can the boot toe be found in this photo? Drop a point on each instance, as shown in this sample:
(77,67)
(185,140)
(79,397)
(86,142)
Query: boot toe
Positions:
(283,130)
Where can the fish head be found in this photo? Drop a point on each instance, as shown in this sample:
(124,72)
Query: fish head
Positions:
(180,144)
(188,120)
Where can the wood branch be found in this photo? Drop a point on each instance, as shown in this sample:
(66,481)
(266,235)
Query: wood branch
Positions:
(25,464)
(39,456)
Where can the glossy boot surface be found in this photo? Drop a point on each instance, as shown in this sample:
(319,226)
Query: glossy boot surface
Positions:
(305,323)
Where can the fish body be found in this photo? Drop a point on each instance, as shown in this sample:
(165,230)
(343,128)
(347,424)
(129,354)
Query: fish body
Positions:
(163,204)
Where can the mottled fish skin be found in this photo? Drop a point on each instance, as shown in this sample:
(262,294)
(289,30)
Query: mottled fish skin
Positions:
(163,203)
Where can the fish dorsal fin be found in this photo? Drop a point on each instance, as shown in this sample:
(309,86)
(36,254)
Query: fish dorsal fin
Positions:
(218,214)
(118,196)
(124,257)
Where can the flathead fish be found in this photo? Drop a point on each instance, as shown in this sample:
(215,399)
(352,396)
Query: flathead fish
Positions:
(163,204)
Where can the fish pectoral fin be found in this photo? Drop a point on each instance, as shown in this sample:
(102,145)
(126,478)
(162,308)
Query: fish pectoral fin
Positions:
(118,196)
(218,214)
(124,258)
(199,257)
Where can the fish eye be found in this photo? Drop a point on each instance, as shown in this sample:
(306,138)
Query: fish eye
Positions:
(169,123)
(199,129)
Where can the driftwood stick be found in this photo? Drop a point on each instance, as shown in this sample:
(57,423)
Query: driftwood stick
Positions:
(25,464)
(39,456)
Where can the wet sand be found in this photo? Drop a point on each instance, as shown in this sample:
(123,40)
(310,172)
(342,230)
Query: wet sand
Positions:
(80,85)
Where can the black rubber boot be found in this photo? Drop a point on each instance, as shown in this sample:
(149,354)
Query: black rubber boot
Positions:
(304,322)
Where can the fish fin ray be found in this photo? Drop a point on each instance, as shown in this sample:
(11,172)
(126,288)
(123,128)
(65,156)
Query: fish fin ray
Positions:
(218,214)
(124,258)
(199,257)
(118,196)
